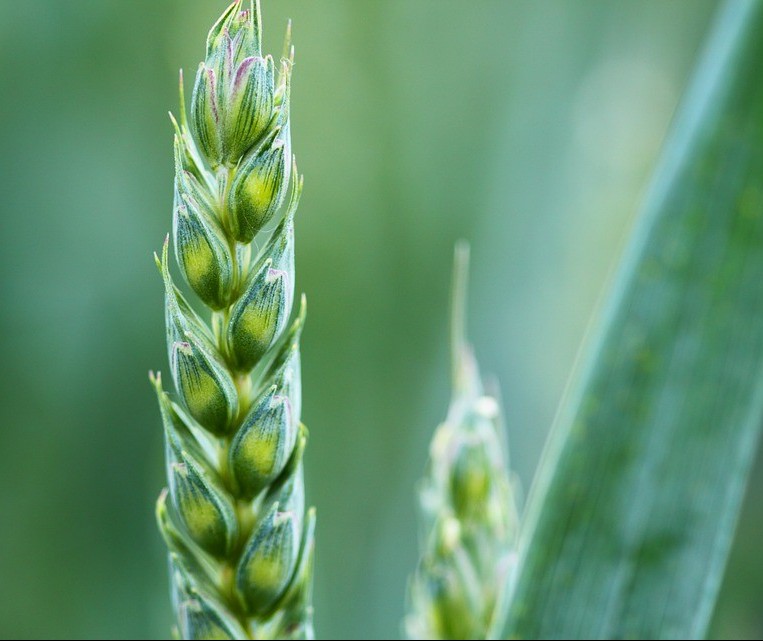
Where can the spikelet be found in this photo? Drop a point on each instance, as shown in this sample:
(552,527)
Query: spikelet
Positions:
(469,515)
(233,516)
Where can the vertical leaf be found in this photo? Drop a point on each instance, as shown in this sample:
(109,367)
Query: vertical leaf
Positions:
(629,524)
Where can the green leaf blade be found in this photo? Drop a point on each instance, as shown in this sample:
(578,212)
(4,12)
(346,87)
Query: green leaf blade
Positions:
(631,519)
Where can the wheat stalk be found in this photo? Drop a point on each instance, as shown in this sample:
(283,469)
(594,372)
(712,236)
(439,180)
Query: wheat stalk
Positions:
(233,516)
(467,502)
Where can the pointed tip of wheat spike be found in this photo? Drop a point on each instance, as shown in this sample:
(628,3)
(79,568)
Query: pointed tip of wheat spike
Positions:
(233,515)
(459,348)
(467,503)
(288,47)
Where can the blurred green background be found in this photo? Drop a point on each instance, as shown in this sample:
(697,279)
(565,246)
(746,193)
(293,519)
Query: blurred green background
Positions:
(529,128)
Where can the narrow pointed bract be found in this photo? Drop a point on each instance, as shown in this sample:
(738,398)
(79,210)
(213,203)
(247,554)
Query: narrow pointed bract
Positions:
(233,516)
(297,602)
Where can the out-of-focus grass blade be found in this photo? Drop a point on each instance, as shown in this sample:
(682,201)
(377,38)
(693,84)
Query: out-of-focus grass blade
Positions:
(630,521)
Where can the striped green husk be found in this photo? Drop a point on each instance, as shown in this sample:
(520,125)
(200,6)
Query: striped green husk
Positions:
(233,515)
(470,520)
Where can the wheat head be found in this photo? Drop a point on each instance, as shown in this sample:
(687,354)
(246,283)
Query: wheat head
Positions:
(233,514)
(469,516)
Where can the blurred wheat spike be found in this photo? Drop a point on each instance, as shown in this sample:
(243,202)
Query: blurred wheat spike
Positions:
(470,520)
(233,515)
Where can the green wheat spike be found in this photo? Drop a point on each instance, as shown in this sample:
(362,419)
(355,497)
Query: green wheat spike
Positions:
(468,505)
(233,515)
